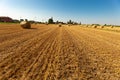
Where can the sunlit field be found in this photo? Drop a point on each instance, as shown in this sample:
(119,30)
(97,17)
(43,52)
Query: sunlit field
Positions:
(53,52)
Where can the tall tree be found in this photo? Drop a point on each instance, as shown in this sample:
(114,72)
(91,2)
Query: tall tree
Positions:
(50,21)
(70,22)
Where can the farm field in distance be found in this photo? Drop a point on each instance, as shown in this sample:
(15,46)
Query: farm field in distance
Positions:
(49,52)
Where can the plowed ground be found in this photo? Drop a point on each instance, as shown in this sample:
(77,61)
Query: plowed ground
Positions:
(49,52)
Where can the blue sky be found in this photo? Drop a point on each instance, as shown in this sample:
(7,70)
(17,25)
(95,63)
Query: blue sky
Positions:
(86,11)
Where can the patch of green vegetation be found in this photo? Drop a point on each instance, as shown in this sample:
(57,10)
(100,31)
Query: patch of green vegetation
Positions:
(8,23)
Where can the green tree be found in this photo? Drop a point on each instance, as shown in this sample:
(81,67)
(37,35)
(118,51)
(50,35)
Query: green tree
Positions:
(70,22)
(21,20)
(50,21)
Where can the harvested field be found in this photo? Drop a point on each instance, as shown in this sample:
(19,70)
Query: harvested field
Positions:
(50,52)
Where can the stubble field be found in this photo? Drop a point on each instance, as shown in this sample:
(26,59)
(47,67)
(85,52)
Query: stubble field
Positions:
(49,52)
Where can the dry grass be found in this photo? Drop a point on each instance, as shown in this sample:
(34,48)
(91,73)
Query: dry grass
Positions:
(47,52)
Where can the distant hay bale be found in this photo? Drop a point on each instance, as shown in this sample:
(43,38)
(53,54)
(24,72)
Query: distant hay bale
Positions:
(95,26)
(112,26)
(86,25)
(60,25)
(70,25)
(46,23)
(25,24)
(102,26)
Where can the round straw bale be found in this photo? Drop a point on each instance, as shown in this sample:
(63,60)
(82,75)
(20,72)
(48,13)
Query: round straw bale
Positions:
(112,26)
(95,26)
(102,26)
(60,25)
(25,24)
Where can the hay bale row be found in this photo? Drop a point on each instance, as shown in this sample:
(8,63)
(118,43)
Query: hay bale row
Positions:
(98,26)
